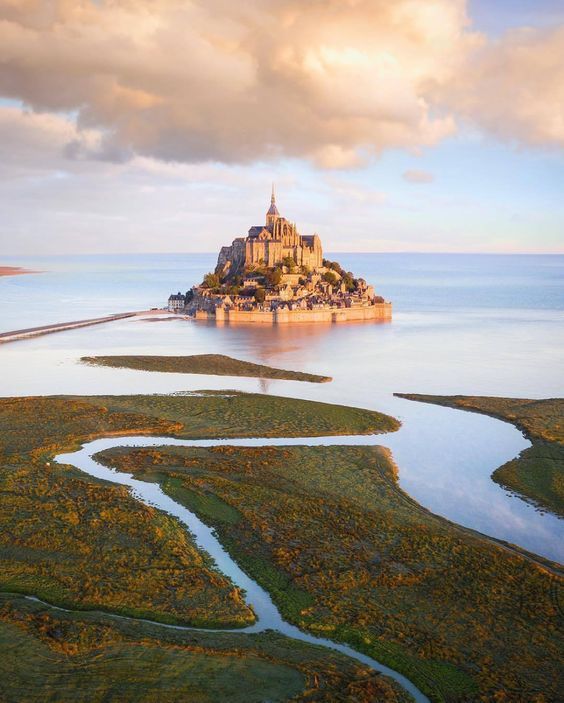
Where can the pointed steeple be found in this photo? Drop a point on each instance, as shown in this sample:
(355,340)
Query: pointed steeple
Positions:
(272,213)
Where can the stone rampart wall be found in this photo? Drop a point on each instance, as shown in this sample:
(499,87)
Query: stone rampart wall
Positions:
(380,311)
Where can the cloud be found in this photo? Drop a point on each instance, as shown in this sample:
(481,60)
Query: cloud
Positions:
(513,88)
(330,81)
(335,82)
(415,176)
(33,143)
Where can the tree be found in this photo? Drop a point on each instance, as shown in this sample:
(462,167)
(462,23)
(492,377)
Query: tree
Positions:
(274,277)
(330,277)
(260,295)
(211,280)
(289,261)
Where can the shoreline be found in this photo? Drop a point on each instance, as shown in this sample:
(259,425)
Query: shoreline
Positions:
(15,271)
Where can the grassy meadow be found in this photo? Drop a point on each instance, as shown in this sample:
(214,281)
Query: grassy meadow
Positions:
(88,545)
(49,656)
(345,553)
(208,364)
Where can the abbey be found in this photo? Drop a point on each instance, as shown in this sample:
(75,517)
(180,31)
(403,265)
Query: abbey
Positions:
(276,275)
(269,245)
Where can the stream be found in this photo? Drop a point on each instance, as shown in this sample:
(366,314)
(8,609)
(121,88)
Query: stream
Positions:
(268,616)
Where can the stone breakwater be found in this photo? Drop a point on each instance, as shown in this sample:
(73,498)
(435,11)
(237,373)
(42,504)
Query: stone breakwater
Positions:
(378,311)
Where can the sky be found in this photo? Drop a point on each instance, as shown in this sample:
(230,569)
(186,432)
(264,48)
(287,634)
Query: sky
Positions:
(160,125)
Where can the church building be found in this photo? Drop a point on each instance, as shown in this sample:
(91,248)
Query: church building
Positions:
(270,244)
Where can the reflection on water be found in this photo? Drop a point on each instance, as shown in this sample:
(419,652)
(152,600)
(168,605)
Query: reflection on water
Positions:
(462,325)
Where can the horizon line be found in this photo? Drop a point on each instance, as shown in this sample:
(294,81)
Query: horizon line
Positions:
(332,251)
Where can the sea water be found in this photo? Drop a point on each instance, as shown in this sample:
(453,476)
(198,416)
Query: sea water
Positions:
(462,324)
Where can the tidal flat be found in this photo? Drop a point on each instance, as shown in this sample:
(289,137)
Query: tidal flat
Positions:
(87,545)
(207,364)
(537,474)
(346,554)
(49,655)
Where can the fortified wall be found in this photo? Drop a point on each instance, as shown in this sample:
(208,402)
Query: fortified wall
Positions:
(379,311)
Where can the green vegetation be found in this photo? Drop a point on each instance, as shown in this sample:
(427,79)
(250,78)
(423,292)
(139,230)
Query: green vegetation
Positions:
(81,543)
(88,545)
(260,295)
(274,276)
(537,474)
(77,542)
(330,277)
(347,554)
(235,414)
(58,657)
(211,280)
(209,364)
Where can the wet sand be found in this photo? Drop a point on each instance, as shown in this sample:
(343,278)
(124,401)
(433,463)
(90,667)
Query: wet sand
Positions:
(14,271)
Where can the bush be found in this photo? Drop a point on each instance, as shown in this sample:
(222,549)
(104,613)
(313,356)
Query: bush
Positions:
(274,277)
(211,280)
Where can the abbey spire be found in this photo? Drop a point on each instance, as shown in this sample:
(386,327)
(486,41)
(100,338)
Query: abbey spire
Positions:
(272,213)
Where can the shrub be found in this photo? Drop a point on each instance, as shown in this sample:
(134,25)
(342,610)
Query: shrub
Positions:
(211,280)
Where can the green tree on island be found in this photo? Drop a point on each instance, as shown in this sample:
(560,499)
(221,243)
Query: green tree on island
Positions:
(211,280)
(274,277)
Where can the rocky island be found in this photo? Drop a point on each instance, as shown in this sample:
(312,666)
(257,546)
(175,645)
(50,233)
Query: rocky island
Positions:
(276,275)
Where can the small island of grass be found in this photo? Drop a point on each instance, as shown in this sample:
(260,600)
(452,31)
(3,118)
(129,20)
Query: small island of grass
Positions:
(208,364)
(537,474)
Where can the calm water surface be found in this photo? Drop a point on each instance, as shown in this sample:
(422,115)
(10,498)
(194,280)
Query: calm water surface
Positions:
(488,325)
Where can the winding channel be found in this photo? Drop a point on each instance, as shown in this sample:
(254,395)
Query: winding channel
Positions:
(268,616)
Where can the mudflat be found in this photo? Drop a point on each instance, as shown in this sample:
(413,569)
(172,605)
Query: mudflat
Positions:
(87,545)
(208,364)
(14,271)
(346,554)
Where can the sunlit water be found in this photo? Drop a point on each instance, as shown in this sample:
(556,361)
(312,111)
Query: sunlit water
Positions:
(477,325)
(487,325)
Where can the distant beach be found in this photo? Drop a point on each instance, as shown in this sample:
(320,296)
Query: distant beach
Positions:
(14,271)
